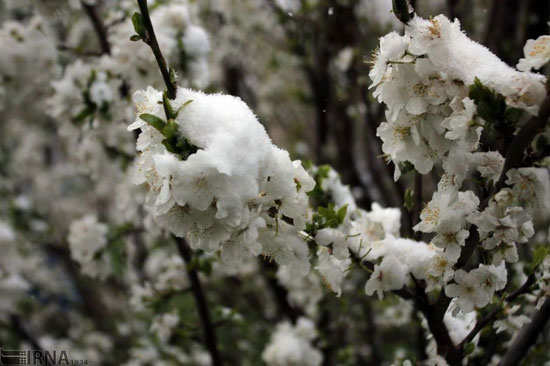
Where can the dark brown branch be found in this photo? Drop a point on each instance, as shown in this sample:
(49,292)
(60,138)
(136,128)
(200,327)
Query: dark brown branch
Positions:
(434,316)
(151,40)
(200,300)
(402,10)
(99,27)
(281,295)
(22,332)
(526,337)
(417,207)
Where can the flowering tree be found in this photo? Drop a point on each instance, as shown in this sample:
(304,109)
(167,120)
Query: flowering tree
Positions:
(148,221)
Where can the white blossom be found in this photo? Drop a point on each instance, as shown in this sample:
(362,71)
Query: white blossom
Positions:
(291,345)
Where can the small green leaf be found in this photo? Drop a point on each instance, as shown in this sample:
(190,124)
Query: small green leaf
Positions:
(490,105)
(139,26)
(153,121)
(135,38)
(341,214)
(539,254)
(83,114)
(406,167)
(170,129)
(408,200)
(469,348)
(168,110)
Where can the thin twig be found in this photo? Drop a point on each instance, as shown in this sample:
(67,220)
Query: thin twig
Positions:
(417,207)
(402,10)
(268,269)
(202,306)
(151,40)
(99,27)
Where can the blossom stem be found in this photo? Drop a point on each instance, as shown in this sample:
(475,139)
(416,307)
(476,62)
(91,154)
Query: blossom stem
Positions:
(200,299)
(151,40)
(99,27)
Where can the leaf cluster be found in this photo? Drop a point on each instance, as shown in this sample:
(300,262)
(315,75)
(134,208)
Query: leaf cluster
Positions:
(174,142)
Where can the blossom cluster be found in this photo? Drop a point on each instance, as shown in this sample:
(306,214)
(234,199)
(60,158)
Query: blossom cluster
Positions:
(434,81)
(235,191)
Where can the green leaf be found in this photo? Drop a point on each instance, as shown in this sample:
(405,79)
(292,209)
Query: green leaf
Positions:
(153,120)
(469,348)
(168,110)
(540,253)
(170,129)
(408,200)
(341,214)
(490,105)
(115,251)
(170,145)
(139,26)
(135,38)
(406,167)
(183,106)
(83,114)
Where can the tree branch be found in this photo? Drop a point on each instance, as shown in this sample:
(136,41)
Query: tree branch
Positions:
(151,40)
(281,294)
(99,27)
(20,330)
(403,10)
(200,300)
(417,207)
(526,337)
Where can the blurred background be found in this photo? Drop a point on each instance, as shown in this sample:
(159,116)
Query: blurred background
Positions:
(67,75)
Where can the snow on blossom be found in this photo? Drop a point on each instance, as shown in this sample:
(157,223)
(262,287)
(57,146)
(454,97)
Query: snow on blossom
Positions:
(423,79)
(238,192)
(332,270)
(448,219)
(389,275)
(459,323)
(291,345)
